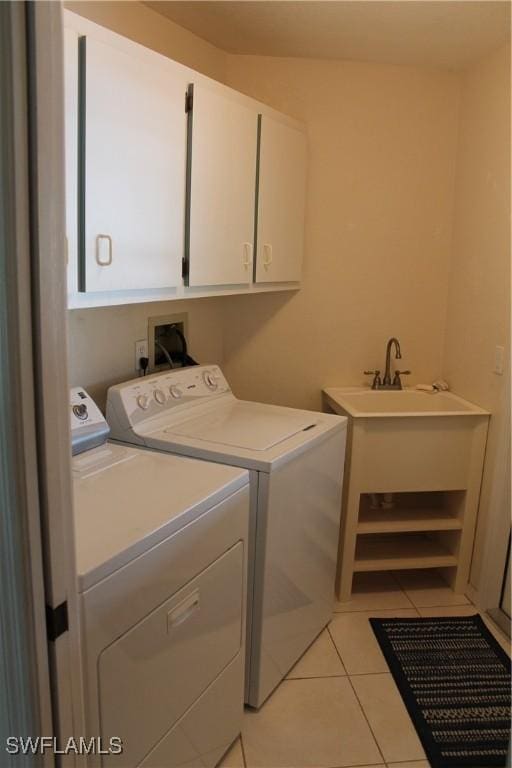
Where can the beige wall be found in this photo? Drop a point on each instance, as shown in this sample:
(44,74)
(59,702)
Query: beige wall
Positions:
(140,23)
(102,341)
(478,316)
(382,142)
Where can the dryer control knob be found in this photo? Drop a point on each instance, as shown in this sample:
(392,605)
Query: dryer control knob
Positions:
(159,396)
(175,391)
(143,402)
(210,379)
(80,411)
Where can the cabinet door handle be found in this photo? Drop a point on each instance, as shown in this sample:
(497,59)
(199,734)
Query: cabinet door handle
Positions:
(183,610)
(247,260)
(267,255)
(108,261)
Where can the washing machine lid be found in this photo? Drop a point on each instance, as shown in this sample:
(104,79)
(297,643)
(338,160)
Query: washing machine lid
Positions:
(127,499)
(241,424)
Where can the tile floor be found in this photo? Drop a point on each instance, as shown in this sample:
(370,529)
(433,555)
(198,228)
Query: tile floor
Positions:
(339,706)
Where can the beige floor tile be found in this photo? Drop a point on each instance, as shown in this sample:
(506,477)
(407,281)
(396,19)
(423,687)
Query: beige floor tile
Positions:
(234,758)
(427,588)
(309,723)
(413,764)
(320,660)
(356,643)
(388,717)
(448,610)
(374,591)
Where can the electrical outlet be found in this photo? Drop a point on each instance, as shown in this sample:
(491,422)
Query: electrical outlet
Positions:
(499,357)
(141,350)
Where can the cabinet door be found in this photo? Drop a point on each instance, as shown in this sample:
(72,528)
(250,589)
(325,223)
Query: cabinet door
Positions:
(222,186)
(134,138)
(71,153)
(281,202)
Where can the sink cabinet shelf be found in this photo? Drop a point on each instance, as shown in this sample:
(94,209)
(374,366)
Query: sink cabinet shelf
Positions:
(386,553)
(412,513)
(428,453)
(405,520)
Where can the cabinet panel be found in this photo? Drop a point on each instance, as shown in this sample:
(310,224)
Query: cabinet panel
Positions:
(222,184)
(71,153)
(134,137)
(281,202)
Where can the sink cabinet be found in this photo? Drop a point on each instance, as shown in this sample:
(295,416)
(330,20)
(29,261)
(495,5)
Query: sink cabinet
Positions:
(432,464)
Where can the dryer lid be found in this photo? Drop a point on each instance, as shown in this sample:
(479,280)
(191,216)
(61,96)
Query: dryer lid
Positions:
(252,426)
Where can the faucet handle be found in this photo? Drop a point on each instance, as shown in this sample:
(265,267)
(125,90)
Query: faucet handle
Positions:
(376,378)
(396,378)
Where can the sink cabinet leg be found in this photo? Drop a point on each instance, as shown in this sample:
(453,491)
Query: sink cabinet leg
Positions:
(348,547)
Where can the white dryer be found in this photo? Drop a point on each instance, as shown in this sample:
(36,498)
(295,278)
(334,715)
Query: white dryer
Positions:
(295,459)
(161,550)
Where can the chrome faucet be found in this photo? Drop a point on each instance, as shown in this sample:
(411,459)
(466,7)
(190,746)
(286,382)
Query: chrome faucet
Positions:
(386,382)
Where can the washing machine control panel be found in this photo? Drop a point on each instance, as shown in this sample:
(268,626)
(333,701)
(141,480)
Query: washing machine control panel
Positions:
(149,396)
(88,425)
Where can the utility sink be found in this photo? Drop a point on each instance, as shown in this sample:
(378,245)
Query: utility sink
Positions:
(362,402)
(413,446)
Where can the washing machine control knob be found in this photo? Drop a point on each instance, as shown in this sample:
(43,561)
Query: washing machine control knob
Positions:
(210,379)
(143,402)
(80,411)
(159,396)
(175,391)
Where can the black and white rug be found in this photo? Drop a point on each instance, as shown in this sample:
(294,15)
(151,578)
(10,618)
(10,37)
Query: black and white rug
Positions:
(454,678)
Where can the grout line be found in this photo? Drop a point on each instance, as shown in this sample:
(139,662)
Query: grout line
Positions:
(337,677)
(243,751)
(335,648)
(367,610)
(315,677)
(358,701)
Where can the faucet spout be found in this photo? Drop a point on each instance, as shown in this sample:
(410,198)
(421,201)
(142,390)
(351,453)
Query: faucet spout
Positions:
(386,381)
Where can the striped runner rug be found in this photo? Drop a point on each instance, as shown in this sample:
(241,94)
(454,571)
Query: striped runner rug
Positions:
(454,678)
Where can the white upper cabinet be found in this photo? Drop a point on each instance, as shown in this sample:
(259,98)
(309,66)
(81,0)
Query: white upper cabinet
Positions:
(221,188)
(71,153)
(167,199)
(281,202)
(131,186)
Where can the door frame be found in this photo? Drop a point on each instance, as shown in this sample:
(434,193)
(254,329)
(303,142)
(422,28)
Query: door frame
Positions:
(22,612)
(498,524)
(45,66)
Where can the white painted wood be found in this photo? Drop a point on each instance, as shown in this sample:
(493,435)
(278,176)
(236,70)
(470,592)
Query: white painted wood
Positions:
(281,205)
(71,153)
(52,389)
(413,453)
(135,169)
(223,188)
(112,296)
(394,553)
(406,520)
(116,298)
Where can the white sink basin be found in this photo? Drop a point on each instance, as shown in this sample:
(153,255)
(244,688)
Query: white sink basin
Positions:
(361,402)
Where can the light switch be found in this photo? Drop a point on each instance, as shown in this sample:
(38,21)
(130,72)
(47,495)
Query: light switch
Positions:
(499,355)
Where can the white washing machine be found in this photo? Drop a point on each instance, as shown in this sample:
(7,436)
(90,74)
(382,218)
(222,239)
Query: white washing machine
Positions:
(295,459)
(161,550)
